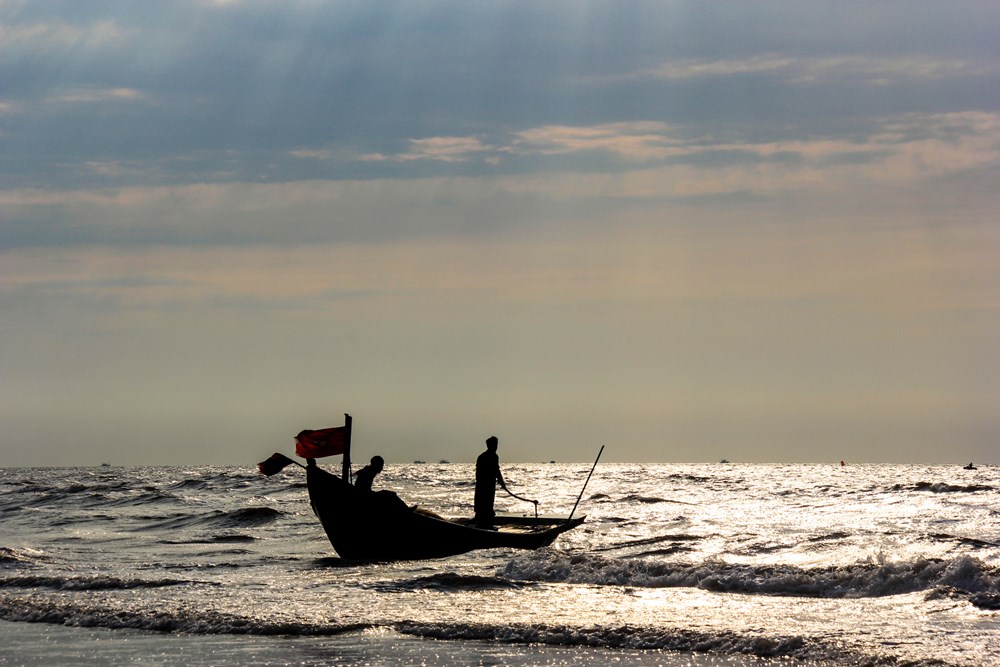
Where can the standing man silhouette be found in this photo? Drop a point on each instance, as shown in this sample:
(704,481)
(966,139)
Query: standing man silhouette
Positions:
(487,476)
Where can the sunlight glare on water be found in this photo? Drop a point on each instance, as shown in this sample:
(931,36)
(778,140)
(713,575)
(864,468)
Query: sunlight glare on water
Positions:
(676,564)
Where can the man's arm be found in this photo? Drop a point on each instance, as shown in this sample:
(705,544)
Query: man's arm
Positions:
(503,485)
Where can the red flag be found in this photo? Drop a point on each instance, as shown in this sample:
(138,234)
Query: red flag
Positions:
(273,465)
(324,442)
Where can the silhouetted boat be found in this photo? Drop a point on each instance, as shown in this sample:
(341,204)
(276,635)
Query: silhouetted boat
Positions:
(380,527)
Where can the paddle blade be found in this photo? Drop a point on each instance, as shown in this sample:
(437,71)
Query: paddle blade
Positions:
(275,464)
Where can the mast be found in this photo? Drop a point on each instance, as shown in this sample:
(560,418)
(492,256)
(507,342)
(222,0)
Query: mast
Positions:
(346,470)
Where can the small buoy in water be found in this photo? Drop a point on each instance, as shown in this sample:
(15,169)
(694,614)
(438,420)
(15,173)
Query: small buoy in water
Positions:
(842,464)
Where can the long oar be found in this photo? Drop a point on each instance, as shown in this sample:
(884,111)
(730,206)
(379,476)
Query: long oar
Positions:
(585,483)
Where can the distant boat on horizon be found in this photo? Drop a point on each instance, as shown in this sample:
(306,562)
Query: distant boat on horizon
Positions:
(105,465)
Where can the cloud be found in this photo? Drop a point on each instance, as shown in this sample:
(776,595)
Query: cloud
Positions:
(443,149)
(889,70)
(872,70)
(900,148)
(311,154)
(695,68)
(196,92)
(655,163)
(92,95)
(56,35)
(635,140)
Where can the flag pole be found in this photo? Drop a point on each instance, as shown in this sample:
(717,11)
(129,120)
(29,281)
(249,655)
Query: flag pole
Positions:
(346,470)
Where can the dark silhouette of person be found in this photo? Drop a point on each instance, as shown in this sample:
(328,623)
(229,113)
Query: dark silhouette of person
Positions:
(364,477)
(487,476)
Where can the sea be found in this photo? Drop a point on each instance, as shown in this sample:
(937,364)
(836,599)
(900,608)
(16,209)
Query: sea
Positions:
(721,564)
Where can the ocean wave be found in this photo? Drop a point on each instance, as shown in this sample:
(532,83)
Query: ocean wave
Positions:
(697,479)
(852,581)
(681,640)
(942,487)
(83,583)
(835,536)
(967,541)
(146,497)
(651,500)
(183,620)
(21,556)
(215,539)
(671,550)
(643,500)
(450,581)
(623,637)
(78,494)
(988,601)
(676,543)
(100,487)
(189,484)
(247,517)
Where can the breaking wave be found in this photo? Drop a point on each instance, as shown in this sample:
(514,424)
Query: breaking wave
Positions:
(452,581)
(94,583)
(681,640)
(941,487)
(854,581)
(184,620)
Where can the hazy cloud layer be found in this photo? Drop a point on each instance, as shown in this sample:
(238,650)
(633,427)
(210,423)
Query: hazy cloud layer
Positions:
(754,230)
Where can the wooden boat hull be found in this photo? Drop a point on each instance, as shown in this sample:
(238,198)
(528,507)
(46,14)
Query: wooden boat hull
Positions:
(379,526)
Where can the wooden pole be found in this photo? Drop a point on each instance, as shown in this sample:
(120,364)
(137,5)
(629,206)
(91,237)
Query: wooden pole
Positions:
(585,483)
(346,470)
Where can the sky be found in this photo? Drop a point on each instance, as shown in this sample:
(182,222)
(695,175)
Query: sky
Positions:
(687,231)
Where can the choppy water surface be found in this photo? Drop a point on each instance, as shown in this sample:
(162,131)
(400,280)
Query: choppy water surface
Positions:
(853,565)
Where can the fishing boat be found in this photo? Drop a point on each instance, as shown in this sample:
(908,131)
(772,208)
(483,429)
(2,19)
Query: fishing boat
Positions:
(379,526)
(370,525)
